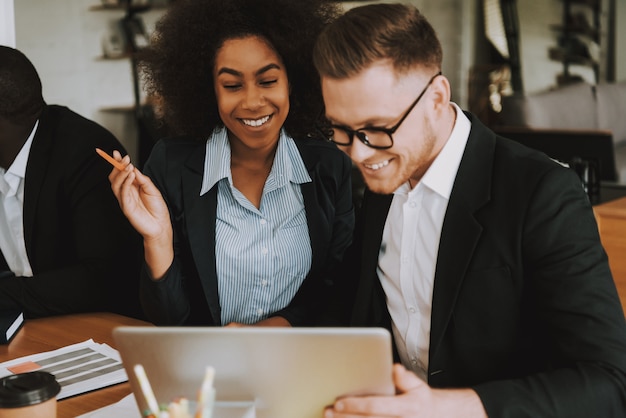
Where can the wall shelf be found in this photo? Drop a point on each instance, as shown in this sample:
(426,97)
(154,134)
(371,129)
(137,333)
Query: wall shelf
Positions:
(128,34)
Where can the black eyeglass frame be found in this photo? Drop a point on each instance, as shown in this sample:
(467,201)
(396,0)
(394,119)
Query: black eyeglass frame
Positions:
(389,131)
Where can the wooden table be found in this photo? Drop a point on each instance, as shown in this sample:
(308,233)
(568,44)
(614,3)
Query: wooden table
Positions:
(611,218)
(45,334)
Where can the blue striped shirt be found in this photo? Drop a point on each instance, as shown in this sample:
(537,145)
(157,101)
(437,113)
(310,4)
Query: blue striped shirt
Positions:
(262,255)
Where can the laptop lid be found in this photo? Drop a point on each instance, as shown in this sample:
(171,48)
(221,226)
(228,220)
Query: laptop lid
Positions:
(287,372)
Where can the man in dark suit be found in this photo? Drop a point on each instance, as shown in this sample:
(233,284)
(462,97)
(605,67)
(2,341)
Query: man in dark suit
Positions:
(482,257)
(66,246)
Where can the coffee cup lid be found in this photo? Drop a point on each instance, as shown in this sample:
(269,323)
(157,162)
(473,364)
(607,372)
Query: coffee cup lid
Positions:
(26,389)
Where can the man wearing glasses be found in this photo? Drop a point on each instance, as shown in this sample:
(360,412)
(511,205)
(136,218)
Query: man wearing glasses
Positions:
(482,257)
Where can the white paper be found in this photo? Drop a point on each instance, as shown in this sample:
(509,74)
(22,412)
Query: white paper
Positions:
(127,408)
(78,368)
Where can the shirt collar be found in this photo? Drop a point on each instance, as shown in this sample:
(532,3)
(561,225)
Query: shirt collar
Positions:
(441,174)
(287,166)
(17,170)
(216,160)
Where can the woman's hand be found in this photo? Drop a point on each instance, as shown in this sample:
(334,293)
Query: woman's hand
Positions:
(146,210)
(139,199)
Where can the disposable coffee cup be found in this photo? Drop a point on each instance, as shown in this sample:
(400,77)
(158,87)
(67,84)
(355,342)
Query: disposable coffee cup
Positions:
(29,395)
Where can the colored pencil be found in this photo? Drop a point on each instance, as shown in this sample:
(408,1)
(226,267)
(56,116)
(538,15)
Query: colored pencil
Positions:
(110,159)
(146,390)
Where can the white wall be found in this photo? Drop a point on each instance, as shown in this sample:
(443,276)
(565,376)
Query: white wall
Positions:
(454,22)
(620,38)
(63,39)
(7,23)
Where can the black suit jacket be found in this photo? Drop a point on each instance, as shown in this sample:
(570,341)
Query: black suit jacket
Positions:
(83,252)
(188,293)
(524,307)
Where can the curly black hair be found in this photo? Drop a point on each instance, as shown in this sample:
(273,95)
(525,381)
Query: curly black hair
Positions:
(177,66)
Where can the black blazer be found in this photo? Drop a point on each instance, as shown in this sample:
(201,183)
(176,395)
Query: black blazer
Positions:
(524,307)
(188,293)
(83,252)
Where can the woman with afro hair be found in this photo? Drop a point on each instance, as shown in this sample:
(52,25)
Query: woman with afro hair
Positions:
(244,211)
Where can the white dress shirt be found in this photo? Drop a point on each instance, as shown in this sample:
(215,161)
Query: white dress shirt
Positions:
(410,243)
(12,211)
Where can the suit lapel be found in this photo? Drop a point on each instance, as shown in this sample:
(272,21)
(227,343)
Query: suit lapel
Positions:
(313,210)
(375,209)
(316,232)
(461,231)
(201,212)
(36,169)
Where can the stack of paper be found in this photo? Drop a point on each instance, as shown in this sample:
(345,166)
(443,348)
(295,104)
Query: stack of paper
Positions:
(78,368)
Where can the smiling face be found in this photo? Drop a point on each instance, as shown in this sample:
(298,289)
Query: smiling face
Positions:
(379,97)
(252,92)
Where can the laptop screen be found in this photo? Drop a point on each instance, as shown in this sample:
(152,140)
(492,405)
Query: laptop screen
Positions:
(286,372)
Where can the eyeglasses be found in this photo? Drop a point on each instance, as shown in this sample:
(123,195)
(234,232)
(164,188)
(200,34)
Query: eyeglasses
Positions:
(372,136)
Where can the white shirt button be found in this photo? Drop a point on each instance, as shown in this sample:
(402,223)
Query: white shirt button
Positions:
(412,205)
(411,309)
(264,283)
(259,311)
(262,221)
(264,251)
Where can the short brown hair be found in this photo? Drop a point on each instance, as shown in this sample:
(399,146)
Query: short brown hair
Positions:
(365,34)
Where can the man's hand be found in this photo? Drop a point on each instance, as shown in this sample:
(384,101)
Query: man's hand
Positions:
(413,399)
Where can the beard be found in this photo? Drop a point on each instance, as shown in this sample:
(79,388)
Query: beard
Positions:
(408,163)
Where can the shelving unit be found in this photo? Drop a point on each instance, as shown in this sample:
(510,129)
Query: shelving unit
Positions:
(132,30)
(581,39)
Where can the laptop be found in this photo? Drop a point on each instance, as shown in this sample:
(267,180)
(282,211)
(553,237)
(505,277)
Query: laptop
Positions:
(285,372)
